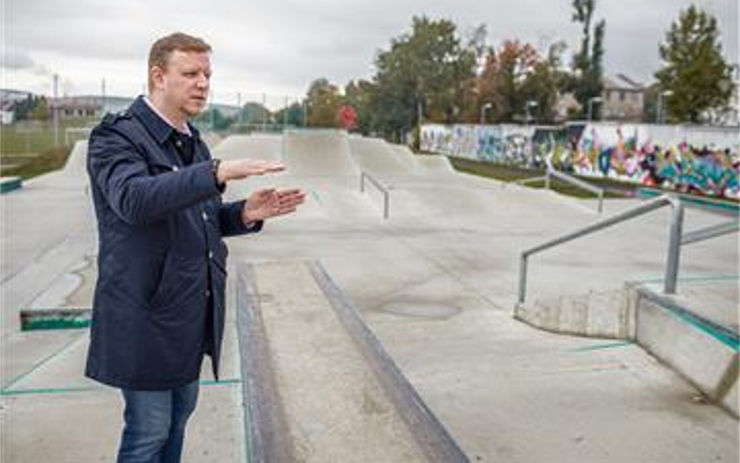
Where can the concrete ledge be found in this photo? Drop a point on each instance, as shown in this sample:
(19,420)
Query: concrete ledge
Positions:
(8,184)
(701,352)
(595,314)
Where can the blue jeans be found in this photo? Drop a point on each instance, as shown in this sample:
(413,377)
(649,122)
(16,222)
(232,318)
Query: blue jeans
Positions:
(155,422)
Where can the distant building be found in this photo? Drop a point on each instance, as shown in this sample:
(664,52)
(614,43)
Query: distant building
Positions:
(623,99)
(7,114)
(75,107)
(565,106)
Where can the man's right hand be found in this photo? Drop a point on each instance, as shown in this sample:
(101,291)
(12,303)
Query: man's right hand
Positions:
(235,169)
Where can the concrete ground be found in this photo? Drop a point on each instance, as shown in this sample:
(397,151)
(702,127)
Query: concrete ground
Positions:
(436,283)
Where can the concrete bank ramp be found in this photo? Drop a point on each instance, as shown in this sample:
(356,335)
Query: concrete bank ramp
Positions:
(250,146)
(376,157)
(318,385)
(405,155)
(76,164)
(318,153)
(435,163)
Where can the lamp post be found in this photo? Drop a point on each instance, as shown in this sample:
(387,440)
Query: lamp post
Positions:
(591,101)
(530,104)
(659,116)
(483,112)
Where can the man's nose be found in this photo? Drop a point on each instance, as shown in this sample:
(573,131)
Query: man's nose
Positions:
(202,81)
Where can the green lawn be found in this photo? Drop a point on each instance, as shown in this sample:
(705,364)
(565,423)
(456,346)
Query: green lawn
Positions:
(29,148)
(512,173)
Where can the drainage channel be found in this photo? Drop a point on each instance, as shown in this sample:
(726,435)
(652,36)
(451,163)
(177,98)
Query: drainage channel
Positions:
(317,383)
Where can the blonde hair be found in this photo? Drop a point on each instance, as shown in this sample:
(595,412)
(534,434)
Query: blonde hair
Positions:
(161,50)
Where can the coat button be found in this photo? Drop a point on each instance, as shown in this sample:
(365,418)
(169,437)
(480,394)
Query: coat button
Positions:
(210,254)
(174,168)
(204,215)
(208,293)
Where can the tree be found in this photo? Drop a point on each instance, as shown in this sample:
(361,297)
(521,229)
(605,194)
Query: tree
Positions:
(694,70)
(421,75)
(40,110)
(587,63)
(359,95)
(292,115)
(323,101)
(517,82)
(254,113)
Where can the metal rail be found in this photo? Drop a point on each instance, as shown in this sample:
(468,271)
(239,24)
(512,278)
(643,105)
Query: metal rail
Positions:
(711,232)
(674,242)
(563,177)
(386,195)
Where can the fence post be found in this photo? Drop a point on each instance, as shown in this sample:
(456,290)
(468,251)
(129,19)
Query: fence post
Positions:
(674,247)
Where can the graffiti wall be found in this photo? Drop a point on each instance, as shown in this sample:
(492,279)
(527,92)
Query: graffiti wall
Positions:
(686,158)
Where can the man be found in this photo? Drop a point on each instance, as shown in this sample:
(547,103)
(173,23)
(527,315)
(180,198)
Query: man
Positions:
(159,299)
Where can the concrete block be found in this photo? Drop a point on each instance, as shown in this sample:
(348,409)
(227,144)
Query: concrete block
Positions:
(698,356)
(604,319)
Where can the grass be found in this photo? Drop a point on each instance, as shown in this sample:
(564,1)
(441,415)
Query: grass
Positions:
(31,148)
(512,173)
(49,160)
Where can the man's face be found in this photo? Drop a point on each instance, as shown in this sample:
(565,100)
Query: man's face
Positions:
(185,82)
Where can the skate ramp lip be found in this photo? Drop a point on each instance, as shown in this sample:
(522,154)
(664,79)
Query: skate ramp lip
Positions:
(375,156)
(318,153)
(269,147)
(435,163)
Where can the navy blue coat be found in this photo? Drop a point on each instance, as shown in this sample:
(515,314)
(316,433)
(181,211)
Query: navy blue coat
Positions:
(158,305)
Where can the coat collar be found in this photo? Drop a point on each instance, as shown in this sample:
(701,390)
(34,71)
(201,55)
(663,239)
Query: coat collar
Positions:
(158,127)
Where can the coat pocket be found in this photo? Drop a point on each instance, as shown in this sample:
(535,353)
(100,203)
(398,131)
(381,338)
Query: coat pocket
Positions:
(164,276)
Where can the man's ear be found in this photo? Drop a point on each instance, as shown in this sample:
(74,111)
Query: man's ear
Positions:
(156,74)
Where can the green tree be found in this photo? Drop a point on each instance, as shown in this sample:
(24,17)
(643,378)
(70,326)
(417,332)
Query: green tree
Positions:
(422,74)
(213,119)
(40,110)
(323,101)
(292,115)
(693,68)
(254,113)
(587,63)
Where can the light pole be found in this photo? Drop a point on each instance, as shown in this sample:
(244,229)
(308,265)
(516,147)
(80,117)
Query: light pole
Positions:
(591,101)
(530,104)
(659,113)
(483,112)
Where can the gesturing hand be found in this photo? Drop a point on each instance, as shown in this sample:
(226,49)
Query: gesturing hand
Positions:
(267,203)
(234,169)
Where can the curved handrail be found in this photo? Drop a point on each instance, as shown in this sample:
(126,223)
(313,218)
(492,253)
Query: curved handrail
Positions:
(674,241)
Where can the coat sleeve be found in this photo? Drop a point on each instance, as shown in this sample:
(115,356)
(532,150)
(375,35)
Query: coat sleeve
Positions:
(137,197)
(230,220)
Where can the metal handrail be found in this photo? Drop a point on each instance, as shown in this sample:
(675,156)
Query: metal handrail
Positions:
(674,241)
(379,187)
(710,232)
(562,176)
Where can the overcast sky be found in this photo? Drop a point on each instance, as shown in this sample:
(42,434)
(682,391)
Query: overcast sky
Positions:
(278,47)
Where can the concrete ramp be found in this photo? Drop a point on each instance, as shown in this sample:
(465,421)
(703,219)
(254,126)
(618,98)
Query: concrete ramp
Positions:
(433,163)
(318,154)
(318,385)
(250,146)
(376,157)
(76,164)
(405,155)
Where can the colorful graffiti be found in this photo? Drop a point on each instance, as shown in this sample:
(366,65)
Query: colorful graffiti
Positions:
(683,158)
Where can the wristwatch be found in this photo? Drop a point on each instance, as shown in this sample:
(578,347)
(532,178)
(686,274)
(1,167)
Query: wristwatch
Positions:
(214,171)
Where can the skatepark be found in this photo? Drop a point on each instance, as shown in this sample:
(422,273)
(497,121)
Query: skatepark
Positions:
(383,322)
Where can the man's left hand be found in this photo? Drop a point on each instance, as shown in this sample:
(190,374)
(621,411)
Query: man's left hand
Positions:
(270,202)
